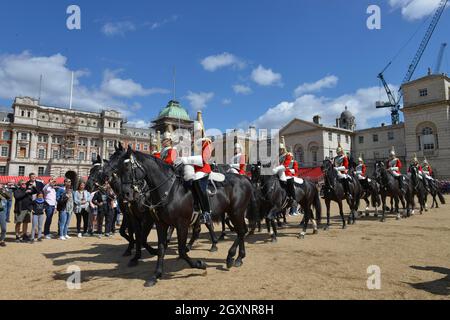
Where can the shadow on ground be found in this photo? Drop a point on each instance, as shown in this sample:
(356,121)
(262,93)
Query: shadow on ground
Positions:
(439,287)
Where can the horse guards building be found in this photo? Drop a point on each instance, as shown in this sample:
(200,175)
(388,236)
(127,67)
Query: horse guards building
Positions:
(50,141)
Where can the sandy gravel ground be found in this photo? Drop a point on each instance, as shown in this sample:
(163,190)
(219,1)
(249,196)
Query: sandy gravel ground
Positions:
(413,254)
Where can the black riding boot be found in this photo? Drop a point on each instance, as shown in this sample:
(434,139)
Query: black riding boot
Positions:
(427,184)
(346,185)
(200,189)
(291,189)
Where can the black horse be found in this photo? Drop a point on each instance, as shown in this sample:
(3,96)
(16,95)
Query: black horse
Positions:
(435,192)
(333,190)
(417,186)
(390,188)
(136,222)
(160,186)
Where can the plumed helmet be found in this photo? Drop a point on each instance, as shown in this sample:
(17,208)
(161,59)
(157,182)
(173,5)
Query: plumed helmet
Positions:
(167,136)
(360,159)
(425,161)
(339,149)
(392,153)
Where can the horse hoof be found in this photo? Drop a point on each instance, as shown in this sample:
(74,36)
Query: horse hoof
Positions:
(344,227)
(150,283)
(213,249)
(326,228)
(238,263)
(200,265)
(274,240)
(316,232)
(398,218)
(230,263)
(133,263)
(127,254)
(301,236)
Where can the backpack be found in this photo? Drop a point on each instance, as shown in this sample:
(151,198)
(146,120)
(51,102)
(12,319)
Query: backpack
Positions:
(62,203)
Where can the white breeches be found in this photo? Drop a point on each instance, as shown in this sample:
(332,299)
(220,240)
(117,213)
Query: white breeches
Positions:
(361,177)
(342,175)
(395,174)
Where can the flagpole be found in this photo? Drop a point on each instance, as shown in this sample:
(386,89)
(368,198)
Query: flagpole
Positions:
(71,93)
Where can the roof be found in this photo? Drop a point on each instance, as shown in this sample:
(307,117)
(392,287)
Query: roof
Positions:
(316,126)
(427,77)
(346,114)
(174,110)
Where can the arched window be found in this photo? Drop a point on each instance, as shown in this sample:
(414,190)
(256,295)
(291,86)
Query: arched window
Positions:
(314,154)
(299,154)
(427,139)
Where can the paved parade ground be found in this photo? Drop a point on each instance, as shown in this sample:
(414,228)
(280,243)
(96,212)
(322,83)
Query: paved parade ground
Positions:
(413,255)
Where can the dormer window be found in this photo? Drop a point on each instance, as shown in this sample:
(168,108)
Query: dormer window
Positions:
(423,92)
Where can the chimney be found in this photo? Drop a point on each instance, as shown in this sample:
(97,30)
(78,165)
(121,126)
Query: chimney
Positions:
(316,119)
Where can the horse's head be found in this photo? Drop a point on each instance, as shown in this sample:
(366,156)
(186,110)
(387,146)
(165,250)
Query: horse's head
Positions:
(95,174)
(129,173)
(380,170)
(327,165)
(255,170)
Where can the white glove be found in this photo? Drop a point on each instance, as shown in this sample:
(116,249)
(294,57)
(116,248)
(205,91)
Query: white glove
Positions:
(394,169)
(292,171)
(195,160)
(341,168)
(278,169)
(235,166)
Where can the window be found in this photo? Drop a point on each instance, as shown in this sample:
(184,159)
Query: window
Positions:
(361,139)
(145,147)
(55,154)
(22,113)
(22,152)
(41,154)
(6,135)
(339,137)
(375,138)
(43,138)
(21,171)
(57,139)
(110,143)
(29,114)
(423,92)
(428,139)
(330,136)
(4,152)
(2,170)
(83,142)
(81,156)
(390,135)
(314,152)
(114,124)
(41,171)
(138,147)
(23,136)
(94,155)
(94,143)
(299,154)
(109,124)
(346,139)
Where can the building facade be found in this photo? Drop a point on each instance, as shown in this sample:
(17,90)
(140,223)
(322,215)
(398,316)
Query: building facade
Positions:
(427,121)
(50,141)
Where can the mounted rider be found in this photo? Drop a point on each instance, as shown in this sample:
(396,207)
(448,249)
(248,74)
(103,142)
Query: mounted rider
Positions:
(284,172)
(427,172)
(238,161)
(156,146)
(341,165)
(394,165)
(197,171)
(361,171)
(168,153)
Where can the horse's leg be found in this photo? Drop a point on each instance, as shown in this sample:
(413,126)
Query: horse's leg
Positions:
(240,230)
(137,223)
(222,236)
(383,203)
(229,224)
(327,204)
(126,225)
(367,206)
(182,232)
(308,215)
(210,227)
(147,228)
(196,229)
(162,245)
(341,212)
(259,226)
(170,234)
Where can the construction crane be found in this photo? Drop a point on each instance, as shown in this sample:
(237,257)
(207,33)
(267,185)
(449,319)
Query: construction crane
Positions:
(437,69)
(394,102)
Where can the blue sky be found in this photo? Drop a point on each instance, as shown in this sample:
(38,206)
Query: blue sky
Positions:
(241,62)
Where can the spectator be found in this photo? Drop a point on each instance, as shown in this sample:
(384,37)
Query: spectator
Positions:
(50,206)
(64,198)
(92,214)
(36,185)
(81,200)
(22,209)
(10,191)
(103,200)
(38,217)
(4,198)
(115,215)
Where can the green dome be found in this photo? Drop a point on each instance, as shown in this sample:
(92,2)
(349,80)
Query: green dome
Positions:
(174,110)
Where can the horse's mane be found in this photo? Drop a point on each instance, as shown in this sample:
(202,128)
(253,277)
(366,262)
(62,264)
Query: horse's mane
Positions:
(162,165)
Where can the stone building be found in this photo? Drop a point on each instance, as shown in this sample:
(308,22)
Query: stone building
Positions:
(374,144)
(51,141)
(427,121)
(313,142)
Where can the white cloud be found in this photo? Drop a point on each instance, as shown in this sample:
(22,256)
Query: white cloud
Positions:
(198,101)
(242,89)
(415,9)
(327,82)
(266,77)
(361,103)
(111,29)
(139,124)
(159,24)
(226,102)
(19,76)
(125,87)
(213,63)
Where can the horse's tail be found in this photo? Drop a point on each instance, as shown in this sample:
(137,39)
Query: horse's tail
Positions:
(252,210)
(317,205)
(441,197)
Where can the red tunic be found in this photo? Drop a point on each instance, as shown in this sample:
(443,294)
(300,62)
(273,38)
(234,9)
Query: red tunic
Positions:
(287,162)
(242,166)
(157,155)
(206,155)
(364,170)
(170,156)
(395,163)
(296,169)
